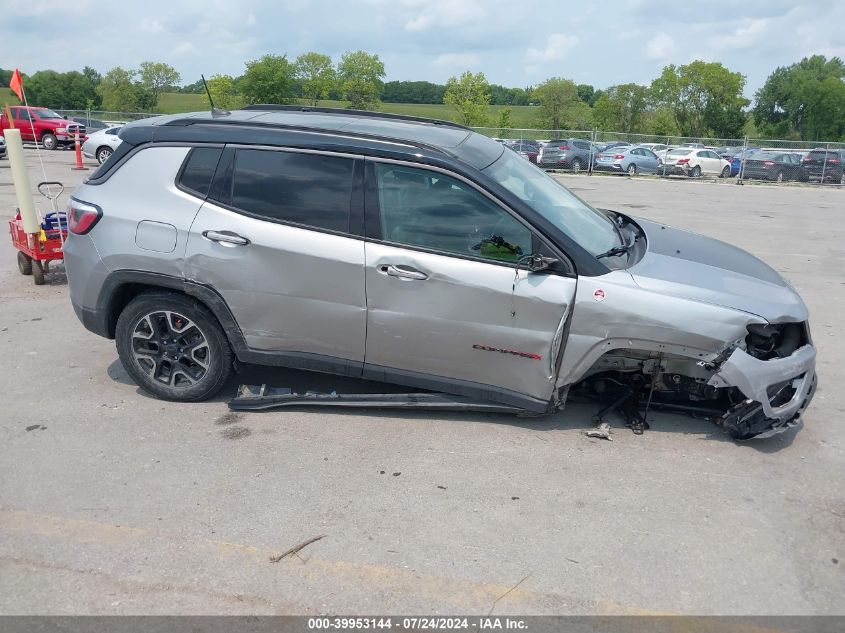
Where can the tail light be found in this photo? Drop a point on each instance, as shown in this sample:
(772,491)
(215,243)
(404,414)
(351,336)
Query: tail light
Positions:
(832,161)
(683,161)
(807,159)
(618,157)
(82,216)
(563,147)
(768,163)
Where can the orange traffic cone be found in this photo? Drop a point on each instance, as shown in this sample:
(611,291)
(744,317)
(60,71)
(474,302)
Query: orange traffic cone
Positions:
(79,165)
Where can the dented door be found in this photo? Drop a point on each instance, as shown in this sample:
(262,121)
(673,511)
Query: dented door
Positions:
(445,298)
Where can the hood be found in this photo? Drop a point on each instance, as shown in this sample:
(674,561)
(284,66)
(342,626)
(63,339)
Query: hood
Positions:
(696,267)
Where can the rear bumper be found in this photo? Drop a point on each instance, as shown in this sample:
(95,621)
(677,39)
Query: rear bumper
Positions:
(608,167)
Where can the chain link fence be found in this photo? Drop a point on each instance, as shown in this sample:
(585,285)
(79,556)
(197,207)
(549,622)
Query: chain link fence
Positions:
(595,151)
(743,159)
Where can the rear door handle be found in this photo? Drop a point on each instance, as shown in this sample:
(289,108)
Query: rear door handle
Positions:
(403,272)
(225,237)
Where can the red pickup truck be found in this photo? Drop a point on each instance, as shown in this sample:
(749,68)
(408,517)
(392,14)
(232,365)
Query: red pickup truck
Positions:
(44,125)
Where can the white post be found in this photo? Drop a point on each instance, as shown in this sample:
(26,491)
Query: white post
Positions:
(20,176)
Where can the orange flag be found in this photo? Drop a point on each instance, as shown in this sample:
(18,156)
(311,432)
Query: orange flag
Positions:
(16,85)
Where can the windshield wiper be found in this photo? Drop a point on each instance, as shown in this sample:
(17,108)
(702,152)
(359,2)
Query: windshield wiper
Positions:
(618,250)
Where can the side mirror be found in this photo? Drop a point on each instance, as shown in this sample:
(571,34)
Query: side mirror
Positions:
(537,263)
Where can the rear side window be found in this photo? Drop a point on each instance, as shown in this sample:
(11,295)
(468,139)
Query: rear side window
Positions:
(308,189)
(199,169)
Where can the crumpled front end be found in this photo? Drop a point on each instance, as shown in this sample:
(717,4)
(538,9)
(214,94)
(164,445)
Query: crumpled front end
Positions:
(777,390)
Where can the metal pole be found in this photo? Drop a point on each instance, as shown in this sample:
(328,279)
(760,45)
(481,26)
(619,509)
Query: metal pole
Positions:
(665,156)
(742,160)
(824,163)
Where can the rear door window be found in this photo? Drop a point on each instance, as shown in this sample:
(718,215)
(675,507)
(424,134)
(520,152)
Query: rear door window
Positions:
(308,189)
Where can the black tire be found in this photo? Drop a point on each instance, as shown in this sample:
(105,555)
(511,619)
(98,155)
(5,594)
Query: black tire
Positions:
(696,172)
(576,164)
(842,178)
(632,169)
(49,141)
(779,177)
(168,362)
(37,273)
(103,154)
(24,263)
(726,172)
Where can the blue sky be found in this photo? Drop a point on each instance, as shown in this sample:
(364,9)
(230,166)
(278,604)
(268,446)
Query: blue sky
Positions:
(514,42)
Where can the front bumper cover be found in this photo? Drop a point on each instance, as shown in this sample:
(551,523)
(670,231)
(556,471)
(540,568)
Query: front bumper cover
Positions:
(756,378)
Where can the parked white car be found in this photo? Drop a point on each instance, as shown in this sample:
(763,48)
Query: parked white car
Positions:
(100,145)
(696,162)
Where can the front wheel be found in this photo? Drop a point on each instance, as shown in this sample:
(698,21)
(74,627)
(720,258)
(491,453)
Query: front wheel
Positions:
(173,347)
(49,141)
(38,273)
(726,172)
(696,172)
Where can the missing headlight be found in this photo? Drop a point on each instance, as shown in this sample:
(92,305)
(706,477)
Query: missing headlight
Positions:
(775,340)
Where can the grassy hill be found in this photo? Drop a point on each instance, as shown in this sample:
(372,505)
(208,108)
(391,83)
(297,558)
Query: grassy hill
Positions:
(174,102)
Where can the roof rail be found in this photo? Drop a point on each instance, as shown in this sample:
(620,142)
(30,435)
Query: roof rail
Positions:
(274,107)
(310,130)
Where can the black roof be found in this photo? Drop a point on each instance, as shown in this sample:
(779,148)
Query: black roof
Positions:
(353,131)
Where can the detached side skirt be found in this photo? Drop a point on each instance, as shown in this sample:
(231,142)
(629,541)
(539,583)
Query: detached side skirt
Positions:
(261,397)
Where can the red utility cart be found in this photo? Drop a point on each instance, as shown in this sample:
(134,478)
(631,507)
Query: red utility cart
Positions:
(36,251)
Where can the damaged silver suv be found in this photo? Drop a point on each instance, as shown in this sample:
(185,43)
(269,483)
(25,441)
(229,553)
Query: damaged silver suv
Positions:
(419,253)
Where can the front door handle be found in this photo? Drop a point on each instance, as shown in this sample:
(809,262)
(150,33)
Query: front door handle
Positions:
(226,237)
(403,272)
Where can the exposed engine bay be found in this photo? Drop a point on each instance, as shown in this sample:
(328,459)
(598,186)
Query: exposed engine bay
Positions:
(757,387)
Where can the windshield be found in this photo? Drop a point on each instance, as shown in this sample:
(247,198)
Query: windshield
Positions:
(44,113)
(592,230)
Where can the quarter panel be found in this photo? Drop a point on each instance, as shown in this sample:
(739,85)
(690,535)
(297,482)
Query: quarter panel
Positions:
(143,189)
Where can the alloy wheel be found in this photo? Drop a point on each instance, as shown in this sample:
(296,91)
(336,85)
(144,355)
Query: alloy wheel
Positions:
(170,348)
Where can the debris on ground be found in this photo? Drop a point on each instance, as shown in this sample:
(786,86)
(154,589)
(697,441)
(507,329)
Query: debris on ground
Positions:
(295,549)
(602,431)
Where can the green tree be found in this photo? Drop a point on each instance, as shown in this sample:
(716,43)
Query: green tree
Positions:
(806,99)
(413,92)
(560,106)
(622,108)
(268,80)
(156,77)
(117,90)
(505,121)
(470,94)
(704,97)
(316,75)
(361,79)
(224,92)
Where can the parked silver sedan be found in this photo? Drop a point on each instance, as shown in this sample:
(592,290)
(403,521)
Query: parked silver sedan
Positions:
(100,145)
(627,159)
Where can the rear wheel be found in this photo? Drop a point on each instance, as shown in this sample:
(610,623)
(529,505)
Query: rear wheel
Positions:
(779,177)
(632,169)
(696,172)
(173,347)
(726,172)
(49,141)
(842,178)
(576,165)
(103,154)
(37,272)
(24,263)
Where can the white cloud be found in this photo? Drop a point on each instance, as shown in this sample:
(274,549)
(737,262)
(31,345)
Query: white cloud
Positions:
(557,44)
(456,61)
(660,47)
(250,19)
(151,26)
(445,14)
(185,48)
(743,37)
